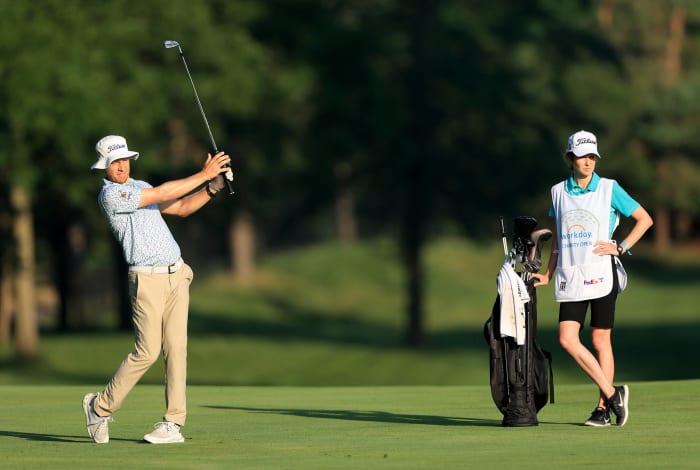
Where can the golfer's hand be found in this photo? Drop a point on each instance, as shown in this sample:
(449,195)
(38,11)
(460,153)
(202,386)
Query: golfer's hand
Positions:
(216,165)
(604,248)
(541,279)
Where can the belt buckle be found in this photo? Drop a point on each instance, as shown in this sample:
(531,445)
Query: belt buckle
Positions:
(172,266)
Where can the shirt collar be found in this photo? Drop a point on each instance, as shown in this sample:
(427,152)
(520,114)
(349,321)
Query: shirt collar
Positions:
(105,182)
(573,188)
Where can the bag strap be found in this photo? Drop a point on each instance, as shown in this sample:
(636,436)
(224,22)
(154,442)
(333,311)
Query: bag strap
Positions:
(548,355)
(487,334)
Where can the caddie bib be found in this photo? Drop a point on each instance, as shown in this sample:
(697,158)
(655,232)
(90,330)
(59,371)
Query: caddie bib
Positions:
(582,220)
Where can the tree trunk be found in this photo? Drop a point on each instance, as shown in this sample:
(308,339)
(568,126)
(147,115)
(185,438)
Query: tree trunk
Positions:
(662,230)
(421,160)
(684,225)
(414,270)
(242,235)
(345,204)
(121,282)
(606,10)
(68,246)
(671,74)
(674,47)
(6,304)
(26,324)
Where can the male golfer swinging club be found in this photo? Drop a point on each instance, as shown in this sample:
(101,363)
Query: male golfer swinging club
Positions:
(159,280)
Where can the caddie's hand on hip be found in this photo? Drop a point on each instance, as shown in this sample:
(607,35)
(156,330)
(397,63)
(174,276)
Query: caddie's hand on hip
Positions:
(216,165)
(604,248)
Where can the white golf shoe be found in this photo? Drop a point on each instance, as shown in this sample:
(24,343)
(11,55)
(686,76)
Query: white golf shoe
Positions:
(97,426)
(165,433)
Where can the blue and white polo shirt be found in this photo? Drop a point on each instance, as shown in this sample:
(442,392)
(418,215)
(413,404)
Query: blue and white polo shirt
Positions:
(142,232)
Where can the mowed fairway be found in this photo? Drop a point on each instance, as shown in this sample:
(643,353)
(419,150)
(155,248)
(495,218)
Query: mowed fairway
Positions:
(351,427)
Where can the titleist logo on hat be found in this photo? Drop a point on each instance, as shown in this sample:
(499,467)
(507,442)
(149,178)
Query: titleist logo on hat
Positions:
(114,147)
(585,140)
(583,143)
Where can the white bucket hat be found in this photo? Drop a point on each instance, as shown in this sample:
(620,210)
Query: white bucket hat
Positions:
(111,148)
(582,143)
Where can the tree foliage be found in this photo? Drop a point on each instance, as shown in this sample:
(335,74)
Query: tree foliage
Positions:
(435,116)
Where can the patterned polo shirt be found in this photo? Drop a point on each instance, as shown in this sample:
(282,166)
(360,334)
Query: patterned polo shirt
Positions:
(142,232)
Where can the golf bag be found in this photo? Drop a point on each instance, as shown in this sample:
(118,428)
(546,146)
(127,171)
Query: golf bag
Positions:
(521,372)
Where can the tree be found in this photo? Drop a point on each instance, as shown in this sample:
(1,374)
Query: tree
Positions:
(662,81)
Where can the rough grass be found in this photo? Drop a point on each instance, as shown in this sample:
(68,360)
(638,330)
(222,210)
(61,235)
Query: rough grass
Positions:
(333,315)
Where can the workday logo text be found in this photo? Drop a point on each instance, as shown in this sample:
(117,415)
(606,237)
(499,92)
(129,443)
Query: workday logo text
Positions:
(576,236)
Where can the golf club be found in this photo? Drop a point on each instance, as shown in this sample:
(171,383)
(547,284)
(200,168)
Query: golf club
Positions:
(169,44)
(503,233)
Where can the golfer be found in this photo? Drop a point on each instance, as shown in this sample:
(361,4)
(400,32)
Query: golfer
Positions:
(159,281)
(587,210)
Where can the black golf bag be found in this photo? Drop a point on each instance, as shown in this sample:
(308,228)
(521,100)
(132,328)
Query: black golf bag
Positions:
(521,374)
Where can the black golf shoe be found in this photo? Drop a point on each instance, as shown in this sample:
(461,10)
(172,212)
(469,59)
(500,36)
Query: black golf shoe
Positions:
(599,417)
(618,403)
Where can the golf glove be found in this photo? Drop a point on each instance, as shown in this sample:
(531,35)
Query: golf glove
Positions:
(218,183)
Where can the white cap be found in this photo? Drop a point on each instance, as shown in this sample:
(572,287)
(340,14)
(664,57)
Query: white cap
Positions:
(582,143)
(111,148)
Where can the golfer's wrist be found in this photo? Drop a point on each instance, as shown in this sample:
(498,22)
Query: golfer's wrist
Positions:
(209,191)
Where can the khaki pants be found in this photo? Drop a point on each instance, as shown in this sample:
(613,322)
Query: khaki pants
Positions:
(160,304)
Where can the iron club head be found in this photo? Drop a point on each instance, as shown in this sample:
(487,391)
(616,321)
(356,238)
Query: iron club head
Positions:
(169,44)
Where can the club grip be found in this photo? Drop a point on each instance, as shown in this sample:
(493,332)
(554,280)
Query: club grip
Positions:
(229,184)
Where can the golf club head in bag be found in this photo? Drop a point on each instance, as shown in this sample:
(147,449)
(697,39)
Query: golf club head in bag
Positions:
(523,225)
(533,263)
(527,242)
(522,228)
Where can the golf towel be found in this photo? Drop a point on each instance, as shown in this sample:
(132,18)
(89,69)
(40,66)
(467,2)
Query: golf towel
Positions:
(513,295)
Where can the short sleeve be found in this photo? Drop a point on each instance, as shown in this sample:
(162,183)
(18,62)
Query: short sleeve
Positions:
(622,201)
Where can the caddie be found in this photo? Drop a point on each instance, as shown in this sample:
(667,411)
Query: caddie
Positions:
(588,273)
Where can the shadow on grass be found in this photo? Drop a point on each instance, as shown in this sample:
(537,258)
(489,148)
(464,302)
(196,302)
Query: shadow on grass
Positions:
(40,437)
(374,416)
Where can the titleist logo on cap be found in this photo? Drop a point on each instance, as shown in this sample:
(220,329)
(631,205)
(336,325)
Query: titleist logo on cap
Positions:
(585,140)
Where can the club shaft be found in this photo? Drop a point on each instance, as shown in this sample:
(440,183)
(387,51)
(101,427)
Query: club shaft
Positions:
(503,235)
(204,116)
(199,104)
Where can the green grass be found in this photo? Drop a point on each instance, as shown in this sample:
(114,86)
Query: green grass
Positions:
(351,427)
(325,326)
